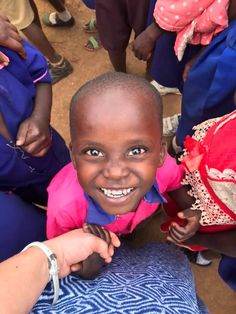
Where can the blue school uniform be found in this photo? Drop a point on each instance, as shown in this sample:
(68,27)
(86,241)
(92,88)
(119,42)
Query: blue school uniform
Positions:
(208,91)
(89,4)
(211,83)
(165,67)
(227,270)
(23,178)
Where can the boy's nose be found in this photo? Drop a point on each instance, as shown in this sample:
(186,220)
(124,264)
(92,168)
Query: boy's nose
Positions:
(115,170)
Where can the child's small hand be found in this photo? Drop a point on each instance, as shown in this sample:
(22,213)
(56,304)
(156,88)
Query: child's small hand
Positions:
(34,136)
(142,46)
(179,233)
(98,231)
(91,267)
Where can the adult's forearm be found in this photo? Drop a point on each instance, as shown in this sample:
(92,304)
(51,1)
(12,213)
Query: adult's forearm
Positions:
(23,278)
(222,242)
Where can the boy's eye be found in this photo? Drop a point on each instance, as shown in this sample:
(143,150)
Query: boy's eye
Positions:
(94,152)
(136,151)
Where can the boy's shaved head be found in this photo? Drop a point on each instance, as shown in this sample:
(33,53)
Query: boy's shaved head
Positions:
(126,83)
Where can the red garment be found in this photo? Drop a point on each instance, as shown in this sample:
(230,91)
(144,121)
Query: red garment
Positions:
(210,164)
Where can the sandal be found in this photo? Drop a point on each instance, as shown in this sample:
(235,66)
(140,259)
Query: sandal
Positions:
(93,44)
(90,27)
(52,19)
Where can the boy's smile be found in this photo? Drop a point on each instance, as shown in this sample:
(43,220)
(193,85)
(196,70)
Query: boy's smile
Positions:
(116,148)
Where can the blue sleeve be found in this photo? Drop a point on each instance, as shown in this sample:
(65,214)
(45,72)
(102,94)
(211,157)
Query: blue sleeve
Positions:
(36,64)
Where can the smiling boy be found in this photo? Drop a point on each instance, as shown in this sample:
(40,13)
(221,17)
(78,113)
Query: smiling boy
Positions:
(119,166)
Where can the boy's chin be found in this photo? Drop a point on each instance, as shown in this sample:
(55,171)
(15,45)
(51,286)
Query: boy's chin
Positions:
(122,210)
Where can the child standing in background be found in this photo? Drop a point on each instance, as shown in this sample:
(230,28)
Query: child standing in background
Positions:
(207,29)
(115,21)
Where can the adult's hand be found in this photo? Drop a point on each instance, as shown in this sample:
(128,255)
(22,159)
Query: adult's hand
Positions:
(75,246)
(10,38)
(25,275)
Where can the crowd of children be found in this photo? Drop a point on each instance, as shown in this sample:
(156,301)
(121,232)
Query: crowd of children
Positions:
(120,167)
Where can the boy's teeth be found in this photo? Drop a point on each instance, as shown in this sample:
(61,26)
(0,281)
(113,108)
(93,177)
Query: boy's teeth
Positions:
(116,193)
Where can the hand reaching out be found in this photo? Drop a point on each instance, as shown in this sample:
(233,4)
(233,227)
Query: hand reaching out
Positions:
(10,38)
(34,137)
(179,233)
(73,247)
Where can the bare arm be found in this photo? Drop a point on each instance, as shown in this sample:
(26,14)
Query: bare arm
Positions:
(24,276)
(33,133)
(222,242)
(144,44)
(181,197)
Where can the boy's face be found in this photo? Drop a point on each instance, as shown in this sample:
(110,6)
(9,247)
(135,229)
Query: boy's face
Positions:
(116,149)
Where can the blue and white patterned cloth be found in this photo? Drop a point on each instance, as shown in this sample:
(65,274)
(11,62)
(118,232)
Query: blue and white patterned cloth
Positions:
(154,279)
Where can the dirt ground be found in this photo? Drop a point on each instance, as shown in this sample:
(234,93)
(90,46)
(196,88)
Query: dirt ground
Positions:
(87,65)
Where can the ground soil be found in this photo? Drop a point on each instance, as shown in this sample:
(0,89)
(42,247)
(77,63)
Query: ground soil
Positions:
(87,65)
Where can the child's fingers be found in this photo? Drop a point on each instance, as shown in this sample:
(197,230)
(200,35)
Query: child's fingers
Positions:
(98,231)
(21,135)
(188,213)
(105,235)
(176,235)
(92,228)
(170,239)
(181,234)
(181,230)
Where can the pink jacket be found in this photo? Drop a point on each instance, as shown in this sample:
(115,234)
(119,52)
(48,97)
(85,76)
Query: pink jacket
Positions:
(67,204)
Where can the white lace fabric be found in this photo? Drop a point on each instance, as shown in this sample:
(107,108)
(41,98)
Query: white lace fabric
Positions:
(223,184)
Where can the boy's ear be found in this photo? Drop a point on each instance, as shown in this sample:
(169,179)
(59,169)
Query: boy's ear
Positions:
(72,155)
(163,152)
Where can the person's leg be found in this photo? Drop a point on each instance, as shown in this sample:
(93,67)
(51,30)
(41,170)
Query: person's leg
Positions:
(118,60)
(114,30)
(227,271)
(35,34)
(58,5)
(62,16)
(36,13)
(25,18)
(20,224)
(24,15)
